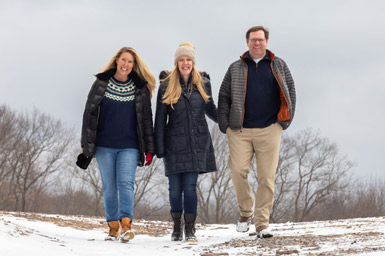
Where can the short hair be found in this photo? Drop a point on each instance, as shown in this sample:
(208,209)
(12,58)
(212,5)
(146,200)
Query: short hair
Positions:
(257,28)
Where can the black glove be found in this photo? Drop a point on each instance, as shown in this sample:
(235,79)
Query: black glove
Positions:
(83,161)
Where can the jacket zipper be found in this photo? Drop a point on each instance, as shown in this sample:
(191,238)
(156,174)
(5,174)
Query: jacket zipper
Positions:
(190,129)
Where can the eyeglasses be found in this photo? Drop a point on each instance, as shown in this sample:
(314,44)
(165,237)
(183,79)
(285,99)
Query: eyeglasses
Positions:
(254,40)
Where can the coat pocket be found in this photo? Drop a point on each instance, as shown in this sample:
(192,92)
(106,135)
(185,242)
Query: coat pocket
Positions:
(176,140)
(203,138)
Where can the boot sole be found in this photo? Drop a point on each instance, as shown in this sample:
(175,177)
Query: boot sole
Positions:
(177,238)
(127,236)
(264,236)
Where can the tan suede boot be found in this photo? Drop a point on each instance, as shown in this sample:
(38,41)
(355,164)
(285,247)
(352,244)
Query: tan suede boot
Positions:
(114,231)
(127,234)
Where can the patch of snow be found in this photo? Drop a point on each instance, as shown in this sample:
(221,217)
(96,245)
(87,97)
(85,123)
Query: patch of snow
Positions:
(32,234)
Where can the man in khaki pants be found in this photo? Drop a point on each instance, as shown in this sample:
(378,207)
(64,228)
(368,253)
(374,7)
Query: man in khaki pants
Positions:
(256,101)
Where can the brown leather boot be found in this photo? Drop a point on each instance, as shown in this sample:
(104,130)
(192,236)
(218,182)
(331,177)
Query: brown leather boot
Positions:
(114,231)
(127,234)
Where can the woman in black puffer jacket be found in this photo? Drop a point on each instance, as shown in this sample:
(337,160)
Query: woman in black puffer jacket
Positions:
(182,136)
(118,130)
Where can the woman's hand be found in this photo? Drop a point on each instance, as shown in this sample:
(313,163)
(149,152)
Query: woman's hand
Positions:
(148,159)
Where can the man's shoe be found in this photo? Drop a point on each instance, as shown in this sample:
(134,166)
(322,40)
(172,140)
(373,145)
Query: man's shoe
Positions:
(243,224)
(264,233)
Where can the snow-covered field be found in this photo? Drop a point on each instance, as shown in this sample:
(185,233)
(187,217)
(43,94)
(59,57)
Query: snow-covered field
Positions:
(41,234)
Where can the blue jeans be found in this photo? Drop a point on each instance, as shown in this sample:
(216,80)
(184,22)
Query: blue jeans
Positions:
(183,193)
(117,169)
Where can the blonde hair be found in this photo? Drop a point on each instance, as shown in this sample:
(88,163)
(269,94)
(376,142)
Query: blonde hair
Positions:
(140,67)
(174,89)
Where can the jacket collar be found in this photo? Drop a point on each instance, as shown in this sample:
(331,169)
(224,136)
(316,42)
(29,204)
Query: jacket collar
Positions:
(182,81)
(105,76)
(269,55)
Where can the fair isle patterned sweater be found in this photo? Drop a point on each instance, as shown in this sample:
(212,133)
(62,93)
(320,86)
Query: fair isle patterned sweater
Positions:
(117,120)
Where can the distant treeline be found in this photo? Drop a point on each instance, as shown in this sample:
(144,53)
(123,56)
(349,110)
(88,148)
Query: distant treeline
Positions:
(314,180)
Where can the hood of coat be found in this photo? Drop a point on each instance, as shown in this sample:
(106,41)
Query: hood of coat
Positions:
(105,76)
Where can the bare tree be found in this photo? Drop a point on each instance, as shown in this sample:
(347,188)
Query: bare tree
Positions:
(362,198)
(150,190)
(38,146)
(367,198)
(284,183)
(148,195)
(88,181)
(8,143)
(310,170)
(7,138)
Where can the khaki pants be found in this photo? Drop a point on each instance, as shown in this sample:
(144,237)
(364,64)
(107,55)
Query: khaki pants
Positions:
(265,144)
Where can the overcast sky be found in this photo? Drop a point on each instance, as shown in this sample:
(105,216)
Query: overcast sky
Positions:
(50,50)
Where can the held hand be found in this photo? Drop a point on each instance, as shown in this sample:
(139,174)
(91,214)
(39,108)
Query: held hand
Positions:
(148,159)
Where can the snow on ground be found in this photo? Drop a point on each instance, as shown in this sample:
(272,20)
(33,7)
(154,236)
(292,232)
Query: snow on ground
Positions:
(43,234)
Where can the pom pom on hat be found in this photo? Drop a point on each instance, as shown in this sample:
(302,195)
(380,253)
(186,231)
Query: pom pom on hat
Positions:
(185,49)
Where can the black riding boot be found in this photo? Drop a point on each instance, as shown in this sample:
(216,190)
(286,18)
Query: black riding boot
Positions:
(177,233)
(189,227)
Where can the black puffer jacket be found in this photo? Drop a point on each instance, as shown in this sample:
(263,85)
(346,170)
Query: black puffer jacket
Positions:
(182,136)
(143,114)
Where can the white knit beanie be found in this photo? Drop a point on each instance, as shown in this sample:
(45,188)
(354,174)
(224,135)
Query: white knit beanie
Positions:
(184,49)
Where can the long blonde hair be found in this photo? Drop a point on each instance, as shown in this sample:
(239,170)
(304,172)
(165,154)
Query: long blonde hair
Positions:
(174,89)
(140,67)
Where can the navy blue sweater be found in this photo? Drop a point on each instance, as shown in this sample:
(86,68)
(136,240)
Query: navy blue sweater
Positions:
(117,120)
(262,100)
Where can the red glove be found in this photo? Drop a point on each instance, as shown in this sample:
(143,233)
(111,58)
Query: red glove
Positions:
(148,159)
